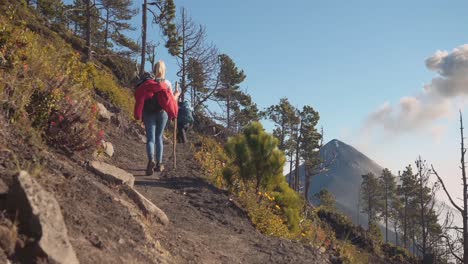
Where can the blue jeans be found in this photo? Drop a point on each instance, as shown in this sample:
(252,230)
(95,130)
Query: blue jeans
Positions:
(155,122)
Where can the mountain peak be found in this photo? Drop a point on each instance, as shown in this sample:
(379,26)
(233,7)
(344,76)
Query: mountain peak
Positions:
(335,143)
(345,165)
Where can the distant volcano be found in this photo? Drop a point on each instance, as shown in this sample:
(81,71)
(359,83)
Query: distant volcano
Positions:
(343,177)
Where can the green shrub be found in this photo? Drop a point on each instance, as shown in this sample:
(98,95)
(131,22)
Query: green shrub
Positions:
(346,230)
(350,254)
(212,158)
(291,204)
(397,254)
(45,85)
(254,158)
(265,216)
(105,84)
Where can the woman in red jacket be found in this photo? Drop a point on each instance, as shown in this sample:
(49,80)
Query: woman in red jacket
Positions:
(153,116)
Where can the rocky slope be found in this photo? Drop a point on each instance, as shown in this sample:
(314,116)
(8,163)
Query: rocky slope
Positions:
(105,224)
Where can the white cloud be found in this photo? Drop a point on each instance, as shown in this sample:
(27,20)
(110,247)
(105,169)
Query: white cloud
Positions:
(439,99)
(410,114)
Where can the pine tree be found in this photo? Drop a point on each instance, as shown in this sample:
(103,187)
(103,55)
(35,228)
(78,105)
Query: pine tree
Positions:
(286,120)
(230,77)
(245,112)
(309,145)
(255,157)
(396,214)
(283,116)
(115,16)
(51,9)
(388,185)
(326,199)
(84,17)
(427,217)
(77,17)
(406,192)
(371,198)
(196,81)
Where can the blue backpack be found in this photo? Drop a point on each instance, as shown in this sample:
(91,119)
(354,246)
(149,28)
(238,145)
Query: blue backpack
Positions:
(185,114)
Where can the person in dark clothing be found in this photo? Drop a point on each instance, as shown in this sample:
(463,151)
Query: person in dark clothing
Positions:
(184,121)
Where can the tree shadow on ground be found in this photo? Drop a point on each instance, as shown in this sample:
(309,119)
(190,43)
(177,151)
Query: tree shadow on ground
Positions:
(179,183)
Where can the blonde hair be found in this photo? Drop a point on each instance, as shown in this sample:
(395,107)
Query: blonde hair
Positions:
(160,69)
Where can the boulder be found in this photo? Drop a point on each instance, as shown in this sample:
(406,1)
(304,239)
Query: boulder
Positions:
(148,208)
(40,218)
(111,173)
(103,113)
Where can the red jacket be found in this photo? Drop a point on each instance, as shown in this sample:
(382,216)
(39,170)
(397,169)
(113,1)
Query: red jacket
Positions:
(144,92)
(165,98)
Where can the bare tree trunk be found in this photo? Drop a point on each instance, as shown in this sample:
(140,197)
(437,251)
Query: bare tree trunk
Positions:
(369,222)
(143,37)
(184,63)
(465,194)
(405,224)
(321,139)
(395,225)
(298,145)
(297,174)
(421,203)
(386,213)
(228,108)
(307,186)
(290,168)
(106,32)
(358,216)
(88,30)
(282,134)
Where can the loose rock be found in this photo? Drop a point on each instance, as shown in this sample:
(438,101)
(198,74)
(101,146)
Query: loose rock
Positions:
(103,114)
(149,209)
(40,217)
(111,173)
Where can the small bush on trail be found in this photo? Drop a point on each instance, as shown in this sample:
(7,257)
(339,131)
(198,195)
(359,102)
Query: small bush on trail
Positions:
(73,126)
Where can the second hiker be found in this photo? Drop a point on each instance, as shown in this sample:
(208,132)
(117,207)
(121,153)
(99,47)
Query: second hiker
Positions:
(154,105)
(184,121)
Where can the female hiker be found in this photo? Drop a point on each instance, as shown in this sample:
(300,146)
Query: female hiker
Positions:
(154,100)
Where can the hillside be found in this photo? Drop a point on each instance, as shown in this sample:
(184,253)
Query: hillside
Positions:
(72,188)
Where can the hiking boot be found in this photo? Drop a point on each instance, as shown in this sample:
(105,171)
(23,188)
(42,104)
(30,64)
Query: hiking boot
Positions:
(159,167)
(150,168)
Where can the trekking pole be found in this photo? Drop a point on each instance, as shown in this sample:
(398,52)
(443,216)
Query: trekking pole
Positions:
(175,133)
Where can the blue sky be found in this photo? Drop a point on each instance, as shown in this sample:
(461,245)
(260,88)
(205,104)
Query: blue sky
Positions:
(346,59)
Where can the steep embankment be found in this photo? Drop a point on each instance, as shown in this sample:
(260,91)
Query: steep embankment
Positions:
(105,226)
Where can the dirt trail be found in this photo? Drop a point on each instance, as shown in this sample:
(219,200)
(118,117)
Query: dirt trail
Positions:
(206,226)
